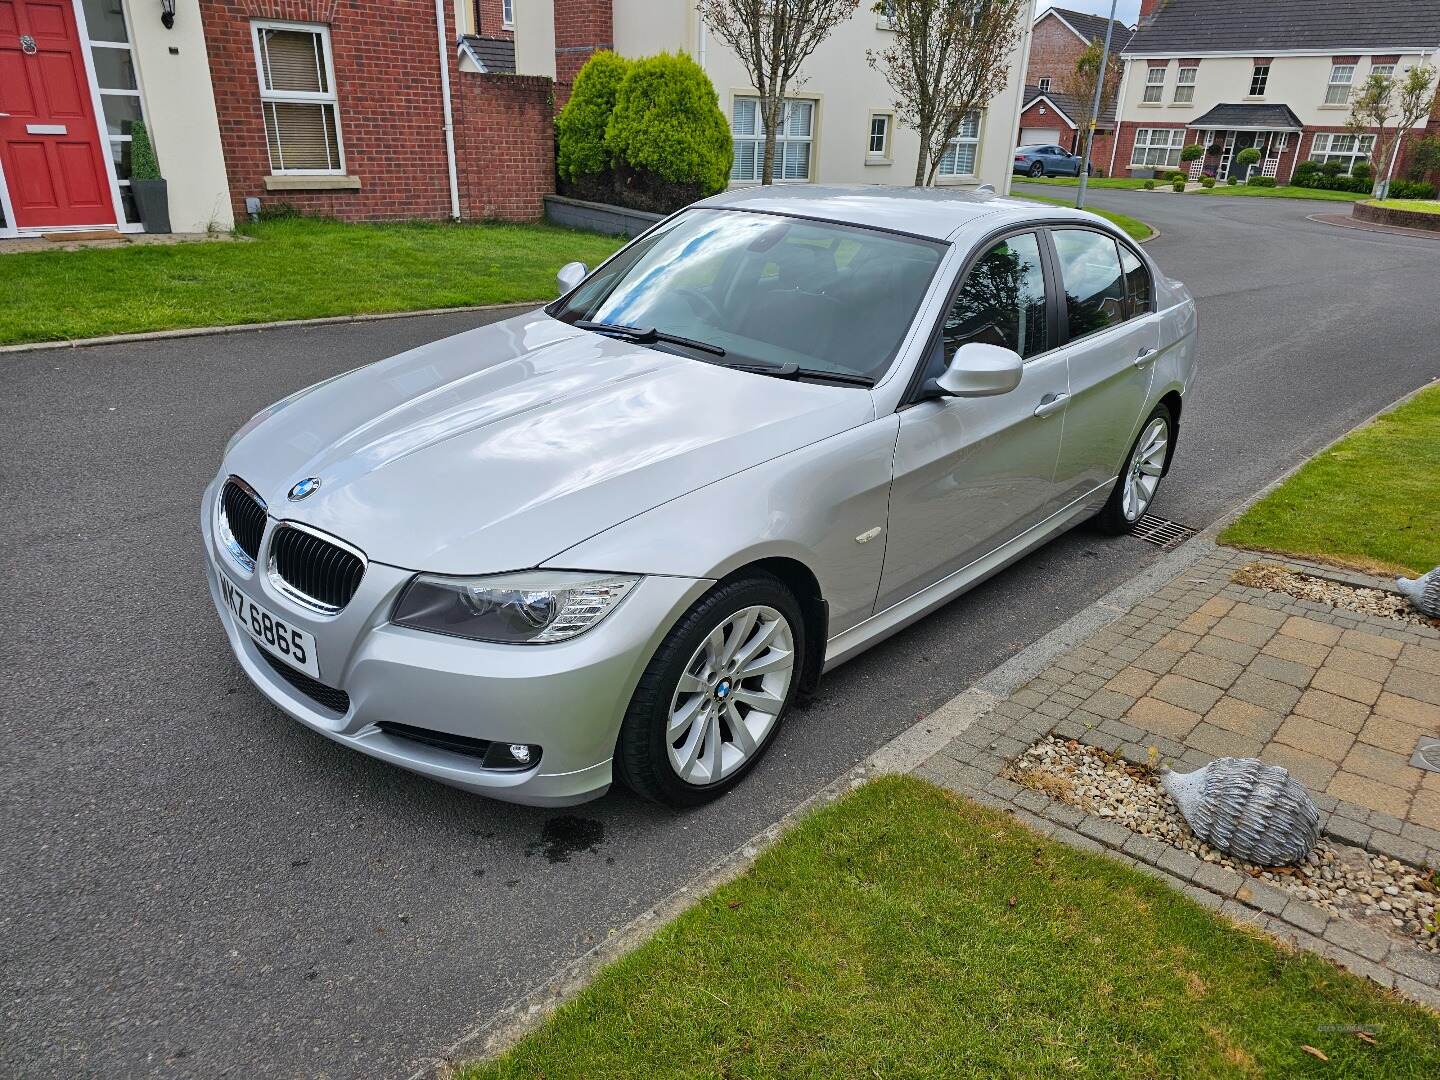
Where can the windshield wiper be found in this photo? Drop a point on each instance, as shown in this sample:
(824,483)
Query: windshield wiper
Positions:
(648,336)
(795,371)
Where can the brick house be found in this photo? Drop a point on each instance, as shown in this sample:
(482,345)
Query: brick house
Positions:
(356,109)
(1278,76)
(1051,113)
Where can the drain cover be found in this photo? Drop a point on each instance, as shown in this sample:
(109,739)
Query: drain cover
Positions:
(1427,754)
(1161,532)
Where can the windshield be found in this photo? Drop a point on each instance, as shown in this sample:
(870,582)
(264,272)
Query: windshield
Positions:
(766,290)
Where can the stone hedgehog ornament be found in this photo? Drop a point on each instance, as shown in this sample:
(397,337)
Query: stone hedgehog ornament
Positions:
(1422,592)
(1247,809)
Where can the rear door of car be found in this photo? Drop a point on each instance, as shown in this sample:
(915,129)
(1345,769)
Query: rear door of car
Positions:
(973,473)
(1111,335)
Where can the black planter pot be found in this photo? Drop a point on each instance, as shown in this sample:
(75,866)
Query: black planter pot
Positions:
(152,201)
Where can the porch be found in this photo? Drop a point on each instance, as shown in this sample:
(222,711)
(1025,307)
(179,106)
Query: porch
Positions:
(1226,130)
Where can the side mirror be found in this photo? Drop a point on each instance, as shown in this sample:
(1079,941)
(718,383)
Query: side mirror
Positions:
(570,275)
(977,370)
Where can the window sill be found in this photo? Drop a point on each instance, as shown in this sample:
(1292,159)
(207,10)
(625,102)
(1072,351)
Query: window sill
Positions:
(312,183)
(1150,104)
(1253,97)
(1182,104)
(1334,108)
(879,161)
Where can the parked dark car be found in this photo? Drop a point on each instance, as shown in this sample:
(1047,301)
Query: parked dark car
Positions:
(1045,161)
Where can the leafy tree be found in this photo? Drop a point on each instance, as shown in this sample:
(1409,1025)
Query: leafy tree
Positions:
(1388,107)
(667,126)
(580,127)
(772,39)
(1193,152)
(949,58)
(1080,83)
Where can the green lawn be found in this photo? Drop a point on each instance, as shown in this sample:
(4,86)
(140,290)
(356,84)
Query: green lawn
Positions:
(1095,181)
(906,933)
(1285,191)
(1371,501)
(288,269)
(1134,227)
(1422,206)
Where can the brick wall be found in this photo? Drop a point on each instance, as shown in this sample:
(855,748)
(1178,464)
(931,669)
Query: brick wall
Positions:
(387,83)
(489,19)
(1041,115)
(1054,48)
(582,27)
(505,144)
(1124,144)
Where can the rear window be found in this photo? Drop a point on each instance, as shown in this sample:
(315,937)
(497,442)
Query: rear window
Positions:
(1093,282)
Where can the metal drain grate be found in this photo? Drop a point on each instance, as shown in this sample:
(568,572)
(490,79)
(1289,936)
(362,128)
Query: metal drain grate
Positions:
(1161,532)
(1427,755)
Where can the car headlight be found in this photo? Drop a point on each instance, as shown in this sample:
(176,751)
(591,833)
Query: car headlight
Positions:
(533,608)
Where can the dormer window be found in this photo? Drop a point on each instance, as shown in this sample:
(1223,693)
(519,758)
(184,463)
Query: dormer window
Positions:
(1045,84)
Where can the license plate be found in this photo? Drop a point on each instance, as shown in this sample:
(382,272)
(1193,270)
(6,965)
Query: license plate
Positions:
(270,632)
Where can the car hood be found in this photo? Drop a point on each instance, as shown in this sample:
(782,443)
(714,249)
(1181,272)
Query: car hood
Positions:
(499,448)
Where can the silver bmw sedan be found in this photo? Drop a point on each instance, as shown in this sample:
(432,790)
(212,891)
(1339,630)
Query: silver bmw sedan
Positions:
(616,537)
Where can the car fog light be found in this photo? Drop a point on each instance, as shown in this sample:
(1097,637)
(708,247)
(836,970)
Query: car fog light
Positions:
(512,756)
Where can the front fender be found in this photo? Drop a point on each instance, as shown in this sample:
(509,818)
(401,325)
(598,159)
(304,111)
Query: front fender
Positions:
(823,506)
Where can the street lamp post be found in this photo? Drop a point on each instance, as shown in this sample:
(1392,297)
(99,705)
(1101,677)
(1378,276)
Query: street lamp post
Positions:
(1095,108)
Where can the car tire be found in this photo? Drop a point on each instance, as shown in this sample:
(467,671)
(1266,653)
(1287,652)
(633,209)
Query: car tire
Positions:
(1037,170)
(1129,499)
(647,759)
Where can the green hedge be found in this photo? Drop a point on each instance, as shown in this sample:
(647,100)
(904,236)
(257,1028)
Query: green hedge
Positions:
(581,152)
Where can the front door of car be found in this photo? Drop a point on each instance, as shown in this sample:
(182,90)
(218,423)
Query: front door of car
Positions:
(1112,335)
(974,472)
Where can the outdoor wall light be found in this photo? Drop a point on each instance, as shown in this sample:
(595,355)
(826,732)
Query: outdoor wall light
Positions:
(167,14)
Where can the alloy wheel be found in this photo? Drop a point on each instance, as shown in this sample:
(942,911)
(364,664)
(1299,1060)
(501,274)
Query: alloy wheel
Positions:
(1147,463)
(730,695)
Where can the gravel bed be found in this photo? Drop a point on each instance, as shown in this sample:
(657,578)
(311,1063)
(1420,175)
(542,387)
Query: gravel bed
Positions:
(1388,605)
(1371,889)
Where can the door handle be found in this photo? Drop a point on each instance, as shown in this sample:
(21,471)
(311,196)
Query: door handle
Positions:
(1051,403)
(1144,357)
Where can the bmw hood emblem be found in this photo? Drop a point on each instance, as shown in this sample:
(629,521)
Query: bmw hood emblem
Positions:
(305,488)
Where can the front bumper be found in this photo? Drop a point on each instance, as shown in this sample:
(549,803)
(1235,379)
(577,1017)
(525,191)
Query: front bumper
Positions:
(568,697)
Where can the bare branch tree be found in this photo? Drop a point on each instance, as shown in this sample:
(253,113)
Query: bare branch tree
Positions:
(772,39)
(950,58)
(1080,84)
(1388,107)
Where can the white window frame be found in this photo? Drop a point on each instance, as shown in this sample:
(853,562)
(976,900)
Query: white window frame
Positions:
(1185,88)
(1255,76)
(1361,147)
(1169,140)
(1337,92)
(507,14)
(300,97)
(1388,70)
(782,137)
(883,154)
(101,123)
(1154,85)
(961,139)
(1044,84)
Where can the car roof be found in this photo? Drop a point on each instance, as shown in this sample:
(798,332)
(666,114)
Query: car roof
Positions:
(934,213)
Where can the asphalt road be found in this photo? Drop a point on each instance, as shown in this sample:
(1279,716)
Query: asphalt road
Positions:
(191,884)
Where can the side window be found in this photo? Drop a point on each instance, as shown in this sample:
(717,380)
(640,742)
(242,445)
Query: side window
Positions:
(1002,301)
(1140,296)
(1090,271)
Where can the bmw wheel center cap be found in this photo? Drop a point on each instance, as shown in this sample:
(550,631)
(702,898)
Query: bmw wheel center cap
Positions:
(305,488)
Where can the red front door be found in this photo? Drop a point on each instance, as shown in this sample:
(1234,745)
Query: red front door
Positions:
(49,144)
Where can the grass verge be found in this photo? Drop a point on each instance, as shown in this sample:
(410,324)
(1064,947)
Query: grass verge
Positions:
(906,932)
(1371,501)
(1095,181)
(1285,191)
(288,269)
(1420,206)
(1134,227)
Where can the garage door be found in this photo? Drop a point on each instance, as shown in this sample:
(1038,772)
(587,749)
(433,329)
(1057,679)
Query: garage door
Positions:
(1040,136)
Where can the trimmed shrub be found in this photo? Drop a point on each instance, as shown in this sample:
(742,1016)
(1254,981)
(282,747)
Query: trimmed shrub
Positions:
(1411,189)
(1207,181)
(1174,175)
(1177,185)
(667,136)
(1149,185)
(1332,169)
(581,156)
(1261,181)
(1362,172)
(1193,152)
(143,165)
(1233,181)
(1423,158)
